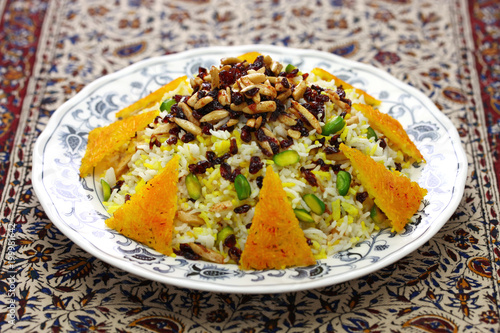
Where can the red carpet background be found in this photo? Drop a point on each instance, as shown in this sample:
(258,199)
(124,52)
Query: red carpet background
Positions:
(449,50)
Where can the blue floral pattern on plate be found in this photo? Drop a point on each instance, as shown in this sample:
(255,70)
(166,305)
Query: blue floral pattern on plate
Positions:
(74,204)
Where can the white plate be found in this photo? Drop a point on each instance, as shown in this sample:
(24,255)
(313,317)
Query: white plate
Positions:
(74,204)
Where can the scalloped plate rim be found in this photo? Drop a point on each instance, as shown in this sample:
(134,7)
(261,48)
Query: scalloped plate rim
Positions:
(251,288)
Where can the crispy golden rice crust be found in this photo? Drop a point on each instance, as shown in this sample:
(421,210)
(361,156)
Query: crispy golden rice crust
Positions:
(275,239)
(148,216)
(396,195)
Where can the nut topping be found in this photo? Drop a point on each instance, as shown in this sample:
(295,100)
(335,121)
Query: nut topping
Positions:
(308,116)
(188,126)
(215,116)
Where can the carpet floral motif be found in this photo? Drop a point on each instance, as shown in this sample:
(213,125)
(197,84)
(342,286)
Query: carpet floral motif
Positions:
(51,49)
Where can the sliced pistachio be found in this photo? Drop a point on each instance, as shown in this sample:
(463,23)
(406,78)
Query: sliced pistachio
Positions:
(303,215)
(193,186)
(287,157)
(242,187)
(106,190)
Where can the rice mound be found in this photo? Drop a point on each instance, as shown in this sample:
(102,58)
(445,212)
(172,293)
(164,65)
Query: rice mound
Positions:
(210,139)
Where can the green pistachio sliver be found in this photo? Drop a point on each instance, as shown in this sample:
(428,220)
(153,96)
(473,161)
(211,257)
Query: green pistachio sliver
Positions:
(223,234)
(303,215)
(333,126)
(376,214)
(106,190)
(316,205)
(242,187)
(287,157)
(371,134)
(193,186)
(167,105)
(289,68)
(343,182)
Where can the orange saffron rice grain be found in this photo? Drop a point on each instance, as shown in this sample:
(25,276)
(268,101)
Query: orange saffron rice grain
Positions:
(395,194)
(148,216)
(275,239)
(392,129)
(105,141)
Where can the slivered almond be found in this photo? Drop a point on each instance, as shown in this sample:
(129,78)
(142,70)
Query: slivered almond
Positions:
(256,98)
(163,129)
(188,113)
(266,148)
(230,61)
(266,106)
(284,95)
(247,88)
(232,122)
(192,82)
(276,67)
(202,102)
(258,122)
(272,79)
(251,122)
(260,70)
(197,81)
(188,126)
(256,77)
(267,60)
(344,106)
(337,157)
(268,133)
(332,94)
(207,254)
(352,120)
(221,206)
(294,134)
(215,115)
(267,90)
(335,98)
(287,119)
(190,218)
(214,72)
(244,82)
(308,115)
(239,107)
(299,90)
(192,100)
(224,98)
(280,87)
